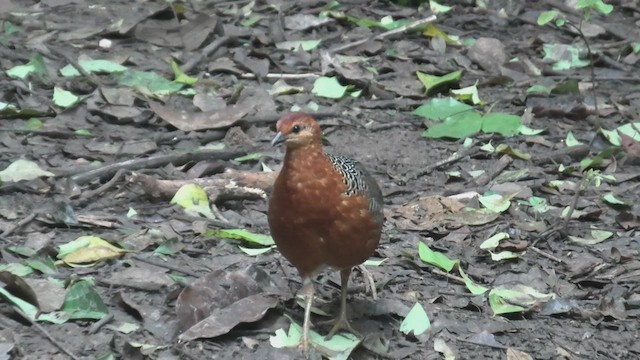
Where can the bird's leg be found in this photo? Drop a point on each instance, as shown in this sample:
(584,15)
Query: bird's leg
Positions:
(307,291)
(342,323)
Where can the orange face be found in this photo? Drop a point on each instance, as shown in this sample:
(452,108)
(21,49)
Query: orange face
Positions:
(297,130)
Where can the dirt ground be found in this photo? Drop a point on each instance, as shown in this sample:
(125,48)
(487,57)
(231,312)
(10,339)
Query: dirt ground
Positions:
(136,138)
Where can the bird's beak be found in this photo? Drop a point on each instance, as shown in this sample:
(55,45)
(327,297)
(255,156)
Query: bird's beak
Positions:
(279,138)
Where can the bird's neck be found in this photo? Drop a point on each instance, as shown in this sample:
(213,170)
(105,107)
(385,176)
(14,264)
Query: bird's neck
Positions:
(304,156)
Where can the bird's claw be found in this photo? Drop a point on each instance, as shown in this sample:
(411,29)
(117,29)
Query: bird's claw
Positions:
(341,323)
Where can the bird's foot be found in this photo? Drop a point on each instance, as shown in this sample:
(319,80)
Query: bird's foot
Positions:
(341,323)
(309,348)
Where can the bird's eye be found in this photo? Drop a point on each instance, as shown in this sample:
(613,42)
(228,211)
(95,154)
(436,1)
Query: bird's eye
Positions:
(295,129)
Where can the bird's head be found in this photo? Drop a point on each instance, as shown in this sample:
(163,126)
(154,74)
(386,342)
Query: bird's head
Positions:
(297,130)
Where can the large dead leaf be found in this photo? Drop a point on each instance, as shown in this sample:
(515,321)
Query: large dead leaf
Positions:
(214,304)
(215,119)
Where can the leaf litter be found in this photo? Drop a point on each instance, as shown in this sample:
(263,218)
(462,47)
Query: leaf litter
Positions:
(510,176)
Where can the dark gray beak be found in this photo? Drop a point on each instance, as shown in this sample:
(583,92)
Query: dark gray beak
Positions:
(278,139)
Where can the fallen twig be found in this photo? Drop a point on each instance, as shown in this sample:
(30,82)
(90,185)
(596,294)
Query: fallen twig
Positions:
(282,76)
(195,59)
(386,34)
(19,224)
(456,156)
(91,193)
(45,333)
(231,184)
(485,178)
(100,323)
(574,202)
(548,256)
(150,163)
(166,266)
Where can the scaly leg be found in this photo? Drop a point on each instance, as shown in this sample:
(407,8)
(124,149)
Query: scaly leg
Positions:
(342,323)
(307,291)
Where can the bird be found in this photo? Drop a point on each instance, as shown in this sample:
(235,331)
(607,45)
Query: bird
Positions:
(325,212)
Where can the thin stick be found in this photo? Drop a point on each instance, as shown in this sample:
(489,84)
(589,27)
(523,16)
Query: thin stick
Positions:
(208,50)
(91,193)
(153,162)
(282,76)
(166,266)
(386,34)
(100,323)
(45,333)
(19,224)
(548,256)
(369,281)
(574,202)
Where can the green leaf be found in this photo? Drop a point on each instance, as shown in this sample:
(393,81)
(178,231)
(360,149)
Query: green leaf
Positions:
(597,5)
(494,241)
(539,89)
(35,66)
(63,98)
(17,269)
(88,249)
(251,157)
(388,23)
(83,132)
(437,8)
(500,306)
(256,251)
(496,202)
(33,124)
(571,140)
(527,131)
(513,152)
(501,123)
(563,57)
(457,127)
(148,83)
(433,82)
(372,262)
(435,258)
(567,87)
(193,199)
(473,288)
(45,265)
(547,16)
(250,21)
(92,66)
(170,247)
(629,129)
(468,94)
(280,87)
(180,76)
(21,250)
(22,169)
(539,205)
(83,302)
(504,255)
(131,212)
(241,234)
(33,312)
(611,199)
(416,321)
(338,348)
(505,299)
(328,87)
(442,108)
(306,45)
